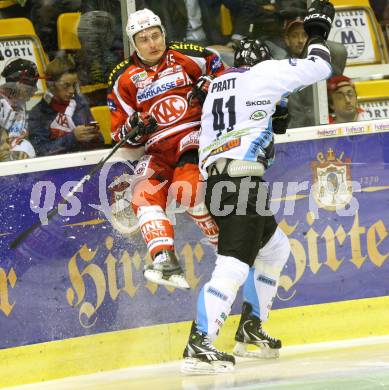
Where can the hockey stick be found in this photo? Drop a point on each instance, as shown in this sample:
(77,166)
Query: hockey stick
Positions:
(65,199)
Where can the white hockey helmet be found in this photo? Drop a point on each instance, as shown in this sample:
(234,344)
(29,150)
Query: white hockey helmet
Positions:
(139,21)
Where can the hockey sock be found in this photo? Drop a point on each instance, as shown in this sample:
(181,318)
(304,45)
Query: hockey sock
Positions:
(157,231)
(205,222)
(261,285)
(217,295)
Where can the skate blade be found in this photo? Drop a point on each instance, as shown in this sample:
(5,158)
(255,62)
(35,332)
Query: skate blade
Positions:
(176,281)
(240,349)
(195,366)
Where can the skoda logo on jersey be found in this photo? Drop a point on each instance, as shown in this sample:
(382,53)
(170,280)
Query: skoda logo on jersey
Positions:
(258,115)
(264,102)
(169,109)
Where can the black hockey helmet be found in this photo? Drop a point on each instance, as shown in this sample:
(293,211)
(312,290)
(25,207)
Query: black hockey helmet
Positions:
(21,70)
(251,52)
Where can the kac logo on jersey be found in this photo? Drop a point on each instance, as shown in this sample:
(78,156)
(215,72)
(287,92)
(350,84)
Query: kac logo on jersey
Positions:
(169,109)
(258,115)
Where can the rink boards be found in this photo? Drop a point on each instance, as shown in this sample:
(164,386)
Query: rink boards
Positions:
(72,296)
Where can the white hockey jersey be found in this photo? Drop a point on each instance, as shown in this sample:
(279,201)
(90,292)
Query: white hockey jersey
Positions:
(236,121)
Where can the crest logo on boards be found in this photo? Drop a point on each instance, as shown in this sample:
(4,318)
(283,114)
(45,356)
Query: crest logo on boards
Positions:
(332,187)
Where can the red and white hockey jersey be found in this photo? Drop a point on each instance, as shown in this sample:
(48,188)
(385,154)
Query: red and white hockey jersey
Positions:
(162,91)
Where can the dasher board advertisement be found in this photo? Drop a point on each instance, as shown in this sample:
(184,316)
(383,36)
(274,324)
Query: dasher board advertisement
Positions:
(81,273)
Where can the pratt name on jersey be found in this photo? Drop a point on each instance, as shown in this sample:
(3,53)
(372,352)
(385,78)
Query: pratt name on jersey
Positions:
(220,86)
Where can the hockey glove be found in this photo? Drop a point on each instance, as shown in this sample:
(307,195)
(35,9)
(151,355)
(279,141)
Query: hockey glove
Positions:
(280,118)
(145,123)
(319,19)
(200,90)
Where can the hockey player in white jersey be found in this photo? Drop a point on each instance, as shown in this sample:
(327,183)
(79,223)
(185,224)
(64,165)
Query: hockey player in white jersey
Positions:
(236,147)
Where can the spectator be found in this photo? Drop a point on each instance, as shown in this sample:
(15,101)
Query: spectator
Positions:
(301,109)
(287,6)
(188,20)
(61,122)
(295,36)
(44,15)
(209,11)
(194,29)
(342,101)
(263,16)
(21,78)
(101,40)
(295,39)
(379,8)
(173,16)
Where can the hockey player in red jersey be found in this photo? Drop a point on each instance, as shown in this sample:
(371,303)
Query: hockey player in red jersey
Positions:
(159,92)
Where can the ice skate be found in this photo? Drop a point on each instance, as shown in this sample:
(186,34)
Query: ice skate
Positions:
(201,357)
(250,332)
(166,270)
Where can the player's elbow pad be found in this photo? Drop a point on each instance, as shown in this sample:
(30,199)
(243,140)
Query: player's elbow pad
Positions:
(318,47)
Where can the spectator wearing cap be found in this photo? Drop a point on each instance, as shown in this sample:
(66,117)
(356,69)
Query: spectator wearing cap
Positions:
(21,77)
(295,36)
(300,105)
(342,101)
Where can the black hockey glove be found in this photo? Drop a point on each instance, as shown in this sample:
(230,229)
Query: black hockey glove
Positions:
(145,123)
(200,90)
(280,118)
(319,19)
